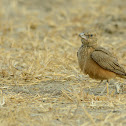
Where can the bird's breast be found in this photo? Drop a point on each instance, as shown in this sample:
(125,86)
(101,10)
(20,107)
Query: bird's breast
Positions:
(83,55)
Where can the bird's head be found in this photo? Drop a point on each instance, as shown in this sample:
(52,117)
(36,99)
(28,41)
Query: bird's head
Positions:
(88,39)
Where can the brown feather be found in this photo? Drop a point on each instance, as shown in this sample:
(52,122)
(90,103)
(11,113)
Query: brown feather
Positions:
(107,61)
(96,61)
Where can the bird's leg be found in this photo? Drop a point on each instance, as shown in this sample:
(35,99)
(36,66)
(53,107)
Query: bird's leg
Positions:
(117,87)
(107,83)
(99,83)
(98,86)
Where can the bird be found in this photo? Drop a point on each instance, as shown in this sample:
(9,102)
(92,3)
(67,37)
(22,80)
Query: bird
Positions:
(96,61)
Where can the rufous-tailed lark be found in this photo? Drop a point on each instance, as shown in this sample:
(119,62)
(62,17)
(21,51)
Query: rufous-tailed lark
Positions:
(96,61)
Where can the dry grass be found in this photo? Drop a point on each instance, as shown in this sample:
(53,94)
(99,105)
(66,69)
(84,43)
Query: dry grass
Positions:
(39,75)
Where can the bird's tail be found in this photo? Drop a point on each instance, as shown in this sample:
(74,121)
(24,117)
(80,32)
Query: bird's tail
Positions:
(122,76)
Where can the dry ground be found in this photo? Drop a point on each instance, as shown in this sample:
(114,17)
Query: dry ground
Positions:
(41,83)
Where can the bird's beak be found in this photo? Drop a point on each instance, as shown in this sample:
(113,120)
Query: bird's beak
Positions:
(82,35)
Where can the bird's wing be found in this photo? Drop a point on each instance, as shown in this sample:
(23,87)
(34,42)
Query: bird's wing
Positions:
(107,61)
(104,50)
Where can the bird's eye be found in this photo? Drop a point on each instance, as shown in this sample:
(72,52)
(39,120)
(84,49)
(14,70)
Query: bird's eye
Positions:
(91,35)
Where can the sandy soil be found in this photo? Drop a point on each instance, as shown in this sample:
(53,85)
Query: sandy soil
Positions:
(41,83)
